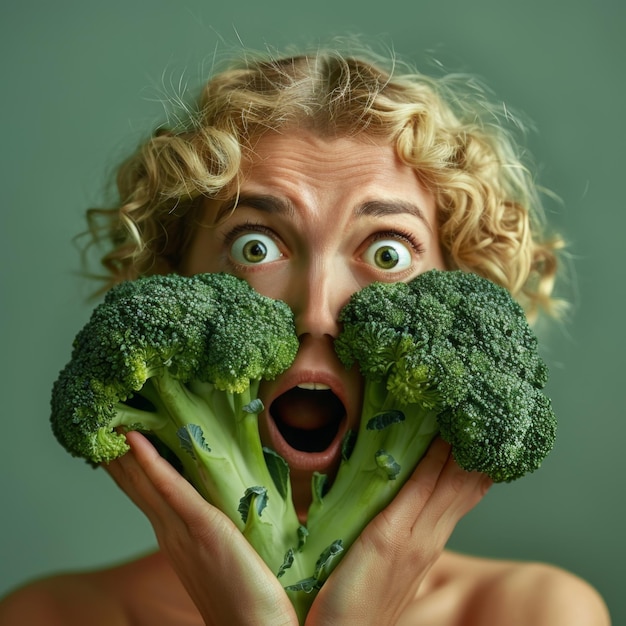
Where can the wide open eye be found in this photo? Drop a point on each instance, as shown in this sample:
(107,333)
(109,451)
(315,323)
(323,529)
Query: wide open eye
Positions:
(254,249)
(389,255)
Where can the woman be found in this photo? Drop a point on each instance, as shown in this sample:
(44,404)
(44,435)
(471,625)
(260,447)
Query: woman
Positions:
(311,177)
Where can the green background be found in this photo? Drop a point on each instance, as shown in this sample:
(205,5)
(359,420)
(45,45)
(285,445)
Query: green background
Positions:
(82,80)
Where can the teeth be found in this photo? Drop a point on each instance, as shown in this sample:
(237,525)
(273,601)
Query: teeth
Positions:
(313,386)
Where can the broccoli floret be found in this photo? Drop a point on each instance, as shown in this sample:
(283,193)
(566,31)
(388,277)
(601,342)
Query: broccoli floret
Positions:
(181,358)
(448,353)
(459,346)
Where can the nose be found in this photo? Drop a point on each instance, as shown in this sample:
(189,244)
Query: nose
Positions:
(316,297)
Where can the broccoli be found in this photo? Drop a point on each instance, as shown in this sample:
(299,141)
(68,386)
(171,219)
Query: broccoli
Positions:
(181,358)
(456,345)
(448,353)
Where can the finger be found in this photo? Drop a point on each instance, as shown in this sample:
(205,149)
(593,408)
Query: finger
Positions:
(439,485)
(390,530)
(151,482)
(420,486)
(129,475)
(170,487)
(176,497)
(458,490)
(429,505)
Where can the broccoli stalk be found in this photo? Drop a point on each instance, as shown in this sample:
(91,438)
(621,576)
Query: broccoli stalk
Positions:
(221,454)
(389,443)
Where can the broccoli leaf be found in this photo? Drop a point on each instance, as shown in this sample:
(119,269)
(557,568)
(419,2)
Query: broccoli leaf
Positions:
(278,469)
(254,497)
(190,437)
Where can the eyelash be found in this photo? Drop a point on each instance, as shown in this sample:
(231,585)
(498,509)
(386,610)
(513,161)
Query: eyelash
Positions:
(247,227)
(402,235)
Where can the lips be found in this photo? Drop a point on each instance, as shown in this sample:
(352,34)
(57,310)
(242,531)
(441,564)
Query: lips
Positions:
(306,420)
(308,417)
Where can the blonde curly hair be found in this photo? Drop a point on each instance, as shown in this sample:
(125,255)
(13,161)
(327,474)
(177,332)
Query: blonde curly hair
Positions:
(490,216)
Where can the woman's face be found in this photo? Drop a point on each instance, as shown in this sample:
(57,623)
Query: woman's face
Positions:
(315,221)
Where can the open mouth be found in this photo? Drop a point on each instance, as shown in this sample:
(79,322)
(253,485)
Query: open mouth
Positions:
(308,417)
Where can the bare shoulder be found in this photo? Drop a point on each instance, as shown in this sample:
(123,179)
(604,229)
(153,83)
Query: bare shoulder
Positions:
(460,591)
(143,591)
(61,600)
(487,591)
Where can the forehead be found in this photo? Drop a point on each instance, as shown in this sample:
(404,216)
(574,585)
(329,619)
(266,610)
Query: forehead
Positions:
(304,158)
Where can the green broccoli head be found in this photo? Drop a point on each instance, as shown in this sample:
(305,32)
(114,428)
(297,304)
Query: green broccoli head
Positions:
(210,328)
(505,429)
(460,345)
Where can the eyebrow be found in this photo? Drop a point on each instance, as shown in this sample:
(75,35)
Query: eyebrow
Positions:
(384,208)
(265,203)
(268,203)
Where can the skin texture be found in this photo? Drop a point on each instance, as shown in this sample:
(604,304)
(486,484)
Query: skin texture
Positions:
(312,219)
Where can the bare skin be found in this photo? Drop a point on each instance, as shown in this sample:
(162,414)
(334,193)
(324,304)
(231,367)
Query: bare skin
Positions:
(315,221)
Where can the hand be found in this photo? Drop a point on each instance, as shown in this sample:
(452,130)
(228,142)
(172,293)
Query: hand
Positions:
(383,570)
(227,580)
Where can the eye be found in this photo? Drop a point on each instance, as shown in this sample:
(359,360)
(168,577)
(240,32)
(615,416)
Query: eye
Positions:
(389,255)
(254,249)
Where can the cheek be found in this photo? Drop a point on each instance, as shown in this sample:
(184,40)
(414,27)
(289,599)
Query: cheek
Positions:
(202,255)
(438,260)
(274,280)
(437,256)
